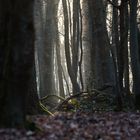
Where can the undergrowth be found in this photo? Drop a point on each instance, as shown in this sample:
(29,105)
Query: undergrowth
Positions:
(93,101)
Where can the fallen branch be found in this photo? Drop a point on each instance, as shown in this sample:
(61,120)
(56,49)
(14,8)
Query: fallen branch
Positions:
(52,95)
(83,93)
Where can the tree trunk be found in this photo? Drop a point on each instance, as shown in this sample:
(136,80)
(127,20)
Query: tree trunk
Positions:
(115,52)
(86,44)
(46,50)
(16,59)
(123,47)
(58,54)
(71,73)
(32,101)
(75,38)
(102,67)
(134,52)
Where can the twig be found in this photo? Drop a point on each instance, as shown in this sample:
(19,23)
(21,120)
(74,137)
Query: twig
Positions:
(52,95)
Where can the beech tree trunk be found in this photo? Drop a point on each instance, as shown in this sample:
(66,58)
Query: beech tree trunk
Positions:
(102,62)
(134,51)
(86,45)
(72,74)
(16,59)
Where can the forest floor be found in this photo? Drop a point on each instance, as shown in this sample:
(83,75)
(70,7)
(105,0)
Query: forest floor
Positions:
(80,126)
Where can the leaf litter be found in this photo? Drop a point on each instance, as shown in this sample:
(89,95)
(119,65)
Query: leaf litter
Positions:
(80,126)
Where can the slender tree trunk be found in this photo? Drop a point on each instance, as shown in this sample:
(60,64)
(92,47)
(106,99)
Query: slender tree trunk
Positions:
(122,48)
(59,65)
(115,30)
(75,38)
(72,75)
(126,55)
(134,51)
(86,44)
(39,43)
(115,52)
(60,72)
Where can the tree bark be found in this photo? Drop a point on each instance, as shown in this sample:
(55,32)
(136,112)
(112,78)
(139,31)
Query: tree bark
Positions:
(71,73)
(134,52)
(45,50)
(16,59)
(86,44)
(102,67)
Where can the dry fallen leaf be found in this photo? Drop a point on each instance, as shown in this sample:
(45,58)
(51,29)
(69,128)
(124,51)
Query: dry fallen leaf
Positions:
(80,126)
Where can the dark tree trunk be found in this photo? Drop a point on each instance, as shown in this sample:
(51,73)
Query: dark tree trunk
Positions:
(134,51)
(75,38)
(115,51)
(103,63)
(126,55)
(32,101)
(122,50)
(16,59)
